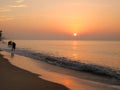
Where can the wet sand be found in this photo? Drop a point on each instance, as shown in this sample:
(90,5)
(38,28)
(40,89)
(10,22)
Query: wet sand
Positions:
(13,78)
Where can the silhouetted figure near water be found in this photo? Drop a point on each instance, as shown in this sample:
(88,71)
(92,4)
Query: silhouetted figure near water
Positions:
(13,46)
(9,43)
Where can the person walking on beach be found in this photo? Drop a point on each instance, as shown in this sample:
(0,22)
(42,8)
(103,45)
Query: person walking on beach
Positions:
(13,46)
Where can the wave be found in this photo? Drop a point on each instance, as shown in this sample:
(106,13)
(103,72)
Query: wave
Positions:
(70,64)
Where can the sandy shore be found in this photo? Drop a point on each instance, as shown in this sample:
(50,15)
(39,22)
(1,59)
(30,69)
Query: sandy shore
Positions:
(13,78)
(33,74)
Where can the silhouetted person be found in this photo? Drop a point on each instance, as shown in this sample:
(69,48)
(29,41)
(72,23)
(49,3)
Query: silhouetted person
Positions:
(13,46)
(9,43)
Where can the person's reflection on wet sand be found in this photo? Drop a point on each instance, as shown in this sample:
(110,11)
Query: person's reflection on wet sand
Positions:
(12,54)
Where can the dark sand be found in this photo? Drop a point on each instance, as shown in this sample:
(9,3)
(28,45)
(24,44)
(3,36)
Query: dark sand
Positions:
(13,78)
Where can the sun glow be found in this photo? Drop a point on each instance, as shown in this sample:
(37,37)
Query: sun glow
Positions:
(74,34)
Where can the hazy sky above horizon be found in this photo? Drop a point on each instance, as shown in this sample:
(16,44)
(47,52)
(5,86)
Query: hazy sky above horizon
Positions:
(59,19)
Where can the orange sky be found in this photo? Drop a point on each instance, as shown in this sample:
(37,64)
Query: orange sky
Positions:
(59,19)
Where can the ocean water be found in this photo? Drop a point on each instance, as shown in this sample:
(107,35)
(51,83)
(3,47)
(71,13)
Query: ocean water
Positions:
(97,57)
(105,53)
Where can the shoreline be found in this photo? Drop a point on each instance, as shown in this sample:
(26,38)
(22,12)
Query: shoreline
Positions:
(14,78)
(78,74)
(62,76)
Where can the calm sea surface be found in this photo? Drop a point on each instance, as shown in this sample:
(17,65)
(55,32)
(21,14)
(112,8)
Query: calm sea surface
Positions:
(106,53)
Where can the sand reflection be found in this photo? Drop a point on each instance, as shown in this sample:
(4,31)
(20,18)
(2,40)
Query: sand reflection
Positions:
(12,55)
(67,82)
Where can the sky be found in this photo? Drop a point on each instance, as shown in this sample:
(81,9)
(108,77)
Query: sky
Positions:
(60,19)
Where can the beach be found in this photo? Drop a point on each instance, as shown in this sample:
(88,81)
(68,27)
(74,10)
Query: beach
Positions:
(59,45)
(33,74)
(13,78)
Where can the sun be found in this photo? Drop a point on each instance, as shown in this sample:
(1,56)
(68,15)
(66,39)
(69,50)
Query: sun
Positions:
(74,34)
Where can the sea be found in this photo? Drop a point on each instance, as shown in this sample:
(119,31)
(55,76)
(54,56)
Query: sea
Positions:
(105,53)
(98,57)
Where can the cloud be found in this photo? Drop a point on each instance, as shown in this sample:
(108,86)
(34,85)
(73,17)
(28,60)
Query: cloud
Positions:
(19,1)
(5,10)
(18,6)
(8,7)
(5,18)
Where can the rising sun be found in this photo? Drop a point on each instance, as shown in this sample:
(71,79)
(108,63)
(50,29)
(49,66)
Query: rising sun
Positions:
(74,34)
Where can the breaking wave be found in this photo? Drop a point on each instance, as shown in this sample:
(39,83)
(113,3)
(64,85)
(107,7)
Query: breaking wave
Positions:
(70,64)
